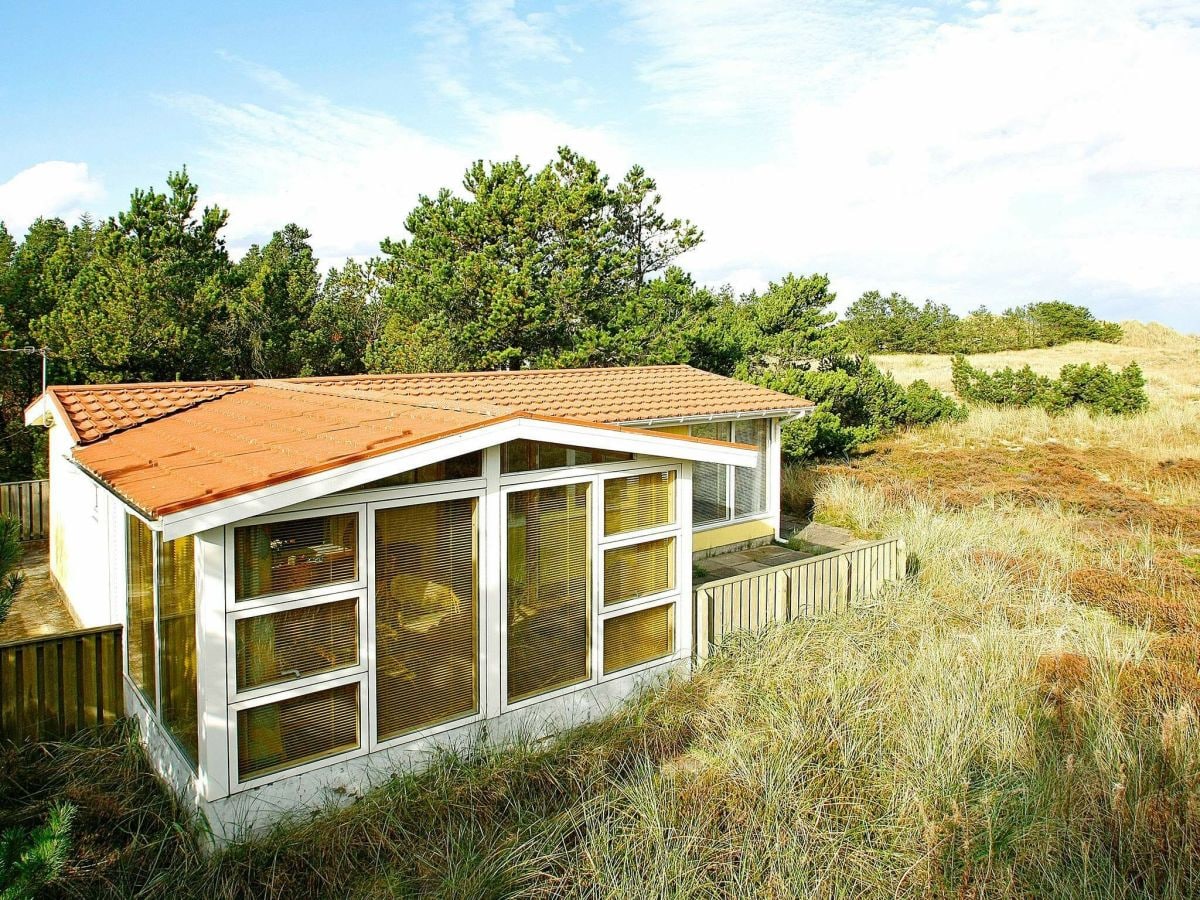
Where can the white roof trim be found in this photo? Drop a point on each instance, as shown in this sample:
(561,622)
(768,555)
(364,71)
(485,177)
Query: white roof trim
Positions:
(788,414)
(320,484)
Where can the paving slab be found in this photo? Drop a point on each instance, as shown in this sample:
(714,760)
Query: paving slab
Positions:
(39,607)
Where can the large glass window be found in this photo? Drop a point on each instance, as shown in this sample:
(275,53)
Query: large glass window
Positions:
(750,485)
(139,600)
(527,456)
(298,730)
(294,555)
(295,643)
(177,642)
(721,493)
(710,481)
(549,589)
(426,615)
(161,637)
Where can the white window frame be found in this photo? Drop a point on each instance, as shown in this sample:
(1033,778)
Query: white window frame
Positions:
(237,786)
(668,599)
(598,612)
(770,510)
(662,598)
(481,606)
(231,603)
(153,703)
(232,618)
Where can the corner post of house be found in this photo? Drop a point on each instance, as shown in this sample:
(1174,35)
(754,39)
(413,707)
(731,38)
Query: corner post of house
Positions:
(212,665)
(775,475)
(491,517)
(684,618)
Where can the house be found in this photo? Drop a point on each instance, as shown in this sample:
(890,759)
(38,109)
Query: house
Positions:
(321,579)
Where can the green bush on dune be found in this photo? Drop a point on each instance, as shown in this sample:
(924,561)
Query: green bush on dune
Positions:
(1098,388)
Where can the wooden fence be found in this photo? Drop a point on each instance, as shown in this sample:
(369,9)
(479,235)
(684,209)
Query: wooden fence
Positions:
(827,583)
(54,686)
(29,503)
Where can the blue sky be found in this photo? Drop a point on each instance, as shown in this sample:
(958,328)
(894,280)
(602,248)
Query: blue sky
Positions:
(995,151)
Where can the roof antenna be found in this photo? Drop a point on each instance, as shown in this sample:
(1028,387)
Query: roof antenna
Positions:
(43,352)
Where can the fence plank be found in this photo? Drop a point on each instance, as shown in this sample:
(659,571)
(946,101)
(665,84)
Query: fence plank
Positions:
(57,685)
(822,584)
(29,503)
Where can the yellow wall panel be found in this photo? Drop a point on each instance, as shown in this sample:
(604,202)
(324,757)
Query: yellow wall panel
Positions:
(731,534)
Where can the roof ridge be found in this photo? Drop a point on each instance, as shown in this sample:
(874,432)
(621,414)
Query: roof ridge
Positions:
(476,373)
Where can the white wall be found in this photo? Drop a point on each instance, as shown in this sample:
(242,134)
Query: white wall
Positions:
(81,524)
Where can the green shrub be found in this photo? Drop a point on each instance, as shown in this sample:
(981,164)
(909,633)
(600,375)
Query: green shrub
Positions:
(30,860)
(1095,387)
(894,324)
(10,557)
(856,402)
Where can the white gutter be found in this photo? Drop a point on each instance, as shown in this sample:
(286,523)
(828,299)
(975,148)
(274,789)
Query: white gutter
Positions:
(787,415)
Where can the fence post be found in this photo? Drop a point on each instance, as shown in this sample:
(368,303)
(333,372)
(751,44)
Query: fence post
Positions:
(703,619)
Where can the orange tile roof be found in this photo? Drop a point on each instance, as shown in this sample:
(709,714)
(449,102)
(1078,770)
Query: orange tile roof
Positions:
(617,394)
(93,412)
(170,447)
(263,435)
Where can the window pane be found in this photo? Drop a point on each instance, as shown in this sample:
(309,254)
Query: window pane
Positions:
(640,570)
(527,456)
(426,577)
(469,465)
(294,555)
(296,643)
(139,601)
(638,637)
(292,732)
(639,501)
(177,642)
(549,590)
(710,501)
(750,485)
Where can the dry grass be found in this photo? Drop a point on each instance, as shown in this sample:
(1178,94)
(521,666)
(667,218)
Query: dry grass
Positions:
(1170,361)
(1019,719)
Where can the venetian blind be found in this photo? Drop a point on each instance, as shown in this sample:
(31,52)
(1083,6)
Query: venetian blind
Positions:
(750,485)
(638,637)
(636,502)
(426,616)
(177,642)
(549,590)
(296,643)
(639,570)
(280,557)
(298,730)
(710,481)
(139,601)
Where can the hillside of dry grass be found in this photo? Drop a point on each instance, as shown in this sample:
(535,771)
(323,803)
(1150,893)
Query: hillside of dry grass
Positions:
(1017,719)
(1169,359)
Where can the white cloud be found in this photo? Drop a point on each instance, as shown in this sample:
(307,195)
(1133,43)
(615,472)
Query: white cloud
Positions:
(54,188)
(351,176)
(1035,150)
